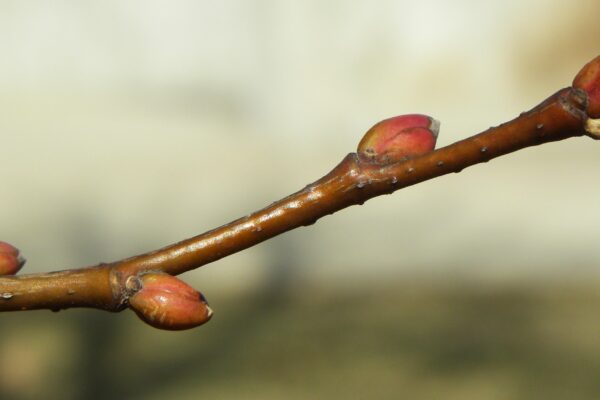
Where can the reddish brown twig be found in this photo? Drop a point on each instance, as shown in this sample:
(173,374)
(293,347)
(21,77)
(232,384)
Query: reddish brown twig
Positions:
(353,181)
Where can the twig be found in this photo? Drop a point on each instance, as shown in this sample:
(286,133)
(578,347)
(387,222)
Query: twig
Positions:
(353,181)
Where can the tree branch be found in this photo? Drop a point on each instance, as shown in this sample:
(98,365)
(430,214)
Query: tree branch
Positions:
(353,181)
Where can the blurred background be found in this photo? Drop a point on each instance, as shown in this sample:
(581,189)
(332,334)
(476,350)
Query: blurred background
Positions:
(128,125)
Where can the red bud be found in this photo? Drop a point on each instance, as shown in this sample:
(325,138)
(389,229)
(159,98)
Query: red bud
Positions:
(166,302)
(399,138)
(10,259)
(588,79)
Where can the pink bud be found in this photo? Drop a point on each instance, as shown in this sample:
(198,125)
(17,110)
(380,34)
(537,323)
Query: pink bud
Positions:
(399,138)
(10,259)
(588,79)
(165,302)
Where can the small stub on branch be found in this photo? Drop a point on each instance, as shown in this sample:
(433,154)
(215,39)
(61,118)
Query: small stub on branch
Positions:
(592,127)
(166,302)
(11,260)
(399,138)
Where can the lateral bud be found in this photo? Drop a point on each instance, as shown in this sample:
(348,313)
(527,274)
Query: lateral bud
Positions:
(399,138)
(11,260)
(166,302)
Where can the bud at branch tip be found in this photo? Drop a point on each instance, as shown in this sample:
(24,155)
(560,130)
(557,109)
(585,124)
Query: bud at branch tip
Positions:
(588,80)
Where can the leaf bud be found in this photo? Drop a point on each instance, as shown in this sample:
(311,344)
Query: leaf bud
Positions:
(166,302)
(588,80)
(399,138)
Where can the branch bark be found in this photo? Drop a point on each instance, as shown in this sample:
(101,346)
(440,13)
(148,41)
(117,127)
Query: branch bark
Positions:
(353,181)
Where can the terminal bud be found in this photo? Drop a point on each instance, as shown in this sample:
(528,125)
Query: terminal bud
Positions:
(588,80)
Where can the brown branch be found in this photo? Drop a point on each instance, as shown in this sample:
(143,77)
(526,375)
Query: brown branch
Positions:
(353,181)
